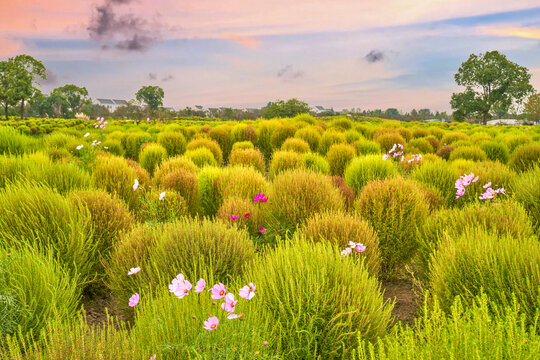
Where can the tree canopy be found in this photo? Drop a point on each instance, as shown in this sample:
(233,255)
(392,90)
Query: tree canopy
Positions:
(287,108)
(492,85)
(71,97)
(532,107)
(152,96)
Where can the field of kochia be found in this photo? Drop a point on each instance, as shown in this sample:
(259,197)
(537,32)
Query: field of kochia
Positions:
(268,239)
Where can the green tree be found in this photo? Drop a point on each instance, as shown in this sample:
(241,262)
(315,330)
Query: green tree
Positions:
(27,70)
(532,107)
(492,82)
(391,112)
(287,108)
(7,88)
(74,98)
(152,96)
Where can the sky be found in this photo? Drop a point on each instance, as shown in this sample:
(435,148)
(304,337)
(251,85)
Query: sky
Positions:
(365,54)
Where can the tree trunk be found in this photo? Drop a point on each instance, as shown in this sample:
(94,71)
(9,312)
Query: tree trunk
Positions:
(22,109)
(6,111)
(485,118)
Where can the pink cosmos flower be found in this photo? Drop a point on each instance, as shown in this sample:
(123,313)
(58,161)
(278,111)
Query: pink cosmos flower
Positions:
(176,283)
(79,147)
(261,198)
(360,247)
(85,135)
(262,230)
(346,251)
(201,284)
(106,147)
(234,316)
(385,156)
(183,289)
(402,158)
(218,291)
(134,270)
(212,323)
(400,146)
(229,303)
(487,185)
(162,196)
(135,184)
(153,357)
(247,215)
(234,217)
(134,300)
(393,149)
(248,291)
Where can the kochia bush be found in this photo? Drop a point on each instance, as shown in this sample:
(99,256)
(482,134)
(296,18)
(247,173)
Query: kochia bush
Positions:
(366,168)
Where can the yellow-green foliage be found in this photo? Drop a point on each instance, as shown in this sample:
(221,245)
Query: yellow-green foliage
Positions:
(352,136)
(283,161)
(419,133)
(264,137)
(173,142)
(396,208)
(498,174)
(387,141)
(243,145)
(243,132)
(151,156)
(318,302)
(134,142)
(316,162)
(171,164)
(451,137)
(329,138)
(249,214)
(438,175)
(247,157)
(34,215)
(406,133)
(280,133)
(210,197)
(435,143)
(13,142)
(480,137)
(114,147)
(437,132)
(341,122)
(421,144)
(477,261)
(311,135)
(339,228)
(525,157)
(445,151)
(221,135)
(365,147)
(474,153)
(184,183)
(185,246)
(114,175)
(34,289)
(496,151)
(153,211)
(208,144)
(339,156)
(526,190)
(201,157)
(366,168)
(298,194)
(515,141)
(241,181)
(295,144)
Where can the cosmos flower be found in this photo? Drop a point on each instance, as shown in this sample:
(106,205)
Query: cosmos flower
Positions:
(234,217)
(176,283)
(234,316)
(85,135)
(182,289)
(212,323)
(218,291)
(134,270)
(135,184)
(229,303)
(247,215)
(79,147)
(262,230)
(248,291)
(487,185)
(134,300)
(199,287)
(162,196)
(385,156)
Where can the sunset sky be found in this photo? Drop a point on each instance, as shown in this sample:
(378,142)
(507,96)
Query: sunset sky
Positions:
(336,53)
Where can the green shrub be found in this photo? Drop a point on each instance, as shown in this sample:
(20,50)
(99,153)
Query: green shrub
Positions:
(151,156)
(496,151)
(208,144)
(184,183)
(352,136)
(525,157)
(13,142)
(296,145)
(451,137)
(114,175)
(526,190)
(171,164)
(60,140)
(241,181)
(221,135)
(468,152)
(422,144)
(387,141)
(329,138)
(366,168)
(134,142)
(185,246)
(339,228)
(419,133)
(346,191)
(235,205)
(396,208)
(39,217)
(445,152)
(437,132)
(406,133)
(310,135)
(173,142)
(247,157)
(434,142)
(283,161)
(34,289)
(264,137)
(210,197)
(201,157)
(306,324)
(155,211)
(243,132)
(438,175)
(339,156)
(476,261)
(480,137)
(281,133)
(366,147)
(498,174)
(515,141)
(114,147)
(341,122)
(471,332)
(315,162)
(242,145)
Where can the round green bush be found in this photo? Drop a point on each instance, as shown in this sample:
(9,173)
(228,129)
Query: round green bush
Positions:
(34,215)
(34,289)
(434,142)
(170,164)
(310,135)
(387,141)
(151,156)
(341,122)
(419,133)
(451,137)
(515,141)
(525,157)
(243,132)
(283,161)
(365,147)
(114,147)
(422,144)
(238,206)
(173,142)
(281,133)
(264,137)
(296,145)
(310,325)
(186,246)
(184,183)
(210,197)
(340,228)
(480,137)
(437,132)
(474,153)
(114,175)
(329,138)
(352,136)
(208,144)
(241,181)
(248,157)
(496,151)
(406,133)
(438,175)
(396,208)
(221,135)
(134,142)
(339,156)
(170,208)
(526,190)
(477,261)
(242,145)
(316,162)
(201,157)
(363,169)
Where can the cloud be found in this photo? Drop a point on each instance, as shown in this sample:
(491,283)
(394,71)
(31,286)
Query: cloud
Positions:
(52,78)
(152,76)
(374,56)
(512,31)
(287,73)
(9,47)
(167,78)
(244,40)
(126,31)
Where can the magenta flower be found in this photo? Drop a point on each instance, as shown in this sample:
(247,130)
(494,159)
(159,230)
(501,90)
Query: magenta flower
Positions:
(201,284)
(262,230)
(212,323)
(360,247)
(229,303)
(135,184)
(134,270)
(248,291)
(134,300)
(162,196)
(261,198)
(234,217)
(247,215)
(218,291)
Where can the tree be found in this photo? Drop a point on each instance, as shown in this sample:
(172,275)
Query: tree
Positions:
(532,107)
(74,98)
(492,82)
(283,109)
(129,111)
(152,96)
(391,112)
(7,88)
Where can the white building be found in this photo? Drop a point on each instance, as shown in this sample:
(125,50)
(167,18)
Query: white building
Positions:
(111,104)
(504,122)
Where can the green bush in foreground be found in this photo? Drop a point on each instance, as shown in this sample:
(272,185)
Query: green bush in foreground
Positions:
(173,142)
(439,175)
(13,142)
(339,156)
(316,162)
(283,161)
(496,151)
(151,156)
(525,157)
(526,190)
(201,157)
(363,169)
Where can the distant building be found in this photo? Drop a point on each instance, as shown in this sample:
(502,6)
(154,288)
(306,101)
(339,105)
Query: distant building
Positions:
(504,122)
(319,109)
(111,104)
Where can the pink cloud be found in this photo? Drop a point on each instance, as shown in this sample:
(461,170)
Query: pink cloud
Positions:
(512,31)
(244,40)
